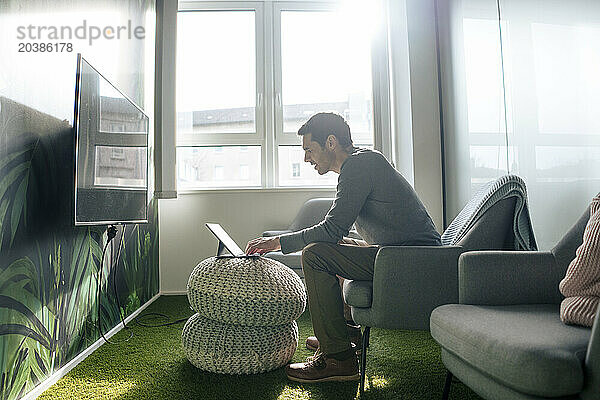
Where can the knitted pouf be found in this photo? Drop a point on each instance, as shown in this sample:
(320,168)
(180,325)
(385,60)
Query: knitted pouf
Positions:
(235,349)
(253,291)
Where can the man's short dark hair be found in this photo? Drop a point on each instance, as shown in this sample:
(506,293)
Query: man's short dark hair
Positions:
(322,125)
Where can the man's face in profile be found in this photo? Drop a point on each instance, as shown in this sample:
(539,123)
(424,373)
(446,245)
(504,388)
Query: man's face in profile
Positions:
(317,155)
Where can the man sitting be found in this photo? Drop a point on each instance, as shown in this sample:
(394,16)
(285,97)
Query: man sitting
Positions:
(386,211)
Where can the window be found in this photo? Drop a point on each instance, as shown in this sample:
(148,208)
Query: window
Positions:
(216,73)
(244,172)
(219,172)
(524,96)
(249,74)
(294,173)
(337,60)
(296,170)
(210,167)
(117,153)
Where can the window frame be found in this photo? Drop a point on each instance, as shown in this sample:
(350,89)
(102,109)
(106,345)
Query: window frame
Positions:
(281,138)
(241,138)
(269,133)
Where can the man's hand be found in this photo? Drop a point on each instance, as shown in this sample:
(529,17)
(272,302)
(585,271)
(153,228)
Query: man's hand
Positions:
(263,245)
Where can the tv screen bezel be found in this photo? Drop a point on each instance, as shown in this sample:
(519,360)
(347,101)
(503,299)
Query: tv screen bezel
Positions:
(80,60)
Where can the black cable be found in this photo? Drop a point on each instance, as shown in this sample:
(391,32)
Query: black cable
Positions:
(441,108)
(111,233)
(503,86)
(115,278)
(137,320)
(98,286)
(145,325)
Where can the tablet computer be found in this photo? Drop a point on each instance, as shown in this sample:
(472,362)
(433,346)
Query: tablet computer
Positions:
(226,243)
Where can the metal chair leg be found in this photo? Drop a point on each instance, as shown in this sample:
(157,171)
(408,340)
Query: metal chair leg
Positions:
(447,385)
(363,358)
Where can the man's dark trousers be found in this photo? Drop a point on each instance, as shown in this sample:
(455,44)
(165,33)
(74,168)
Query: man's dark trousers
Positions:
(322,263)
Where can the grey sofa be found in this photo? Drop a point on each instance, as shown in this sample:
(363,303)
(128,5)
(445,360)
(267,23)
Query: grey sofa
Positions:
(505,338)
(312,212)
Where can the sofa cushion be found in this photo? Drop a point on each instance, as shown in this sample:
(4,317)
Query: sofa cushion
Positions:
(292,260)
(525,347)
(358,293)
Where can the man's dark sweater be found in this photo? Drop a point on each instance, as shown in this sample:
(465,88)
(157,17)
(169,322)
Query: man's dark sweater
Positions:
(372,194)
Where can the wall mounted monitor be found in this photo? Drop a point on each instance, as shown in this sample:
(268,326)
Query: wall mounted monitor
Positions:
(111,152)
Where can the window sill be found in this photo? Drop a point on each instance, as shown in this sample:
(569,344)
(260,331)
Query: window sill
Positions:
(257,190)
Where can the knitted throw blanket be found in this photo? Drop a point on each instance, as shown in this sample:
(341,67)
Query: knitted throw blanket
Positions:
(581,285)
(492,192)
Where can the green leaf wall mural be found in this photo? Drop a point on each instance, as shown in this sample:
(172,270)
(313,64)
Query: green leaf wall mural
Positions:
(48,291)
(49,268)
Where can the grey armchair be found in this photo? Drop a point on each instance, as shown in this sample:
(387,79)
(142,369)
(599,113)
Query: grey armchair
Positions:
(505,339)
(311,213)
(410,281)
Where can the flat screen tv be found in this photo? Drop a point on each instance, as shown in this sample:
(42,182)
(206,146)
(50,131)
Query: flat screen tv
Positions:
(111,152)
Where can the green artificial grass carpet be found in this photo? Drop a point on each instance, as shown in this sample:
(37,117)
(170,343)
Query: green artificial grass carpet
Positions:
(152,365)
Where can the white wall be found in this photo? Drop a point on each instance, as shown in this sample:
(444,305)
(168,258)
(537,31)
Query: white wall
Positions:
(427,158)
(415,100)
(184,241)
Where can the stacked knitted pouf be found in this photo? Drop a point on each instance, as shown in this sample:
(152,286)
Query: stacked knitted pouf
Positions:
(245,315)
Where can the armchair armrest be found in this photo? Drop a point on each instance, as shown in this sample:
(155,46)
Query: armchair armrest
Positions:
(591,388)
(410,281)
(275,233)
(508,277)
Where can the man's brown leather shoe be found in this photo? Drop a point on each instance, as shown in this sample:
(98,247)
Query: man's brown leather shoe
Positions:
(321,368)
(312,343)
